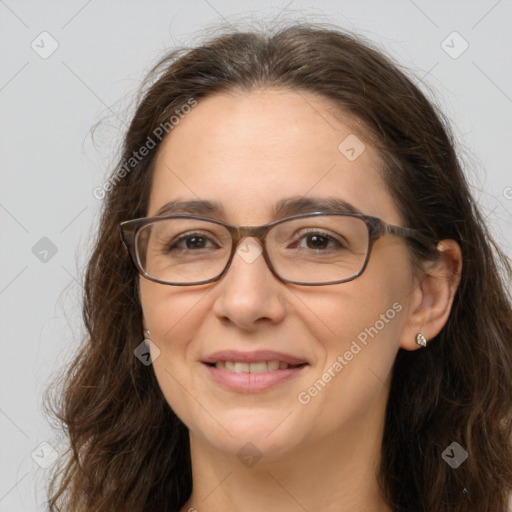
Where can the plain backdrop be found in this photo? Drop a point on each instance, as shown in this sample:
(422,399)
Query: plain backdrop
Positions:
(66,66)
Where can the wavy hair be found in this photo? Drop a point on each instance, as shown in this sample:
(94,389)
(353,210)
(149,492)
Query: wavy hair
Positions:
(129,451)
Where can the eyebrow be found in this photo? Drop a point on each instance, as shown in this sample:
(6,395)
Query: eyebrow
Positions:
(283,208)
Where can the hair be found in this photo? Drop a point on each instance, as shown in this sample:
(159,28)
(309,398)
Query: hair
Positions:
(127,448)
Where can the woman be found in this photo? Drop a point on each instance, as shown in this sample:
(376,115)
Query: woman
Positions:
(349,349)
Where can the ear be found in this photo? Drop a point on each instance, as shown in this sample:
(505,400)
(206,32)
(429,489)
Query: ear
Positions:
(432,299)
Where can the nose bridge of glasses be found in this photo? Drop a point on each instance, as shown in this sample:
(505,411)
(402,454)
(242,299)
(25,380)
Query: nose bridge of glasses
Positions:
(243,232)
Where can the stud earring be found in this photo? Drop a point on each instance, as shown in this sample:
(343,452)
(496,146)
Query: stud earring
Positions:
(147,336)
(420,340)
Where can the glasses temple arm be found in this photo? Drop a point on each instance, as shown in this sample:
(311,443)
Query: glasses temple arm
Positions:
(411,233)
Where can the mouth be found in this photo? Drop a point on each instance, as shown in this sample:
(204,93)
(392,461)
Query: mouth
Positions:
(251,372)
(257,367)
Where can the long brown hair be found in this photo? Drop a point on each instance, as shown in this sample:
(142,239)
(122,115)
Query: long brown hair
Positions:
(129,451)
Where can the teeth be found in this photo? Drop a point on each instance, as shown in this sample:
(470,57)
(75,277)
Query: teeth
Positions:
(259,367)
(273,365)
(242,368)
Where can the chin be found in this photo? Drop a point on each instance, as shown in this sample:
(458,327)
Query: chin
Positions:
(257,446)
(262,432)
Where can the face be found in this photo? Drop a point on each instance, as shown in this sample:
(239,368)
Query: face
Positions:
(249,152)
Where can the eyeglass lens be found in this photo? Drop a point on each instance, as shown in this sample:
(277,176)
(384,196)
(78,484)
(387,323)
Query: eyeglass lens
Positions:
(308,249)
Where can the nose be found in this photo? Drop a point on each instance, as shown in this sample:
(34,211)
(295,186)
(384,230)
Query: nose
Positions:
(249,293)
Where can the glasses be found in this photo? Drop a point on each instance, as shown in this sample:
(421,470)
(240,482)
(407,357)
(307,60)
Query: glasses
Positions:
(309,249)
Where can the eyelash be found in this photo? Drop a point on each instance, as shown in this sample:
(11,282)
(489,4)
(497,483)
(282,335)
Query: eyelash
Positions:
(185,236)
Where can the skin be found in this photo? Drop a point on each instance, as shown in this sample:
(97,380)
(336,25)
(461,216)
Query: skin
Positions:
(248,151)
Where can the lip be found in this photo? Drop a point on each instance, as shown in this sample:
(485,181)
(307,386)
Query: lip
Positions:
(253,357)
(252,382)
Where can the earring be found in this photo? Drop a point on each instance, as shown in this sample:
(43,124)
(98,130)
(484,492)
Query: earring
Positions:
(420,340)
(147,336)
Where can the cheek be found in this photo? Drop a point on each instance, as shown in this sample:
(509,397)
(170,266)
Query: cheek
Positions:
(365,319)
(370,307)
(171,314)
(361,326)
(352,382)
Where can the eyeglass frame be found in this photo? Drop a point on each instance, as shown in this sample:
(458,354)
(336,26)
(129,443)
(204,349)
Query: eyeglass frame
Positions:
(377,228)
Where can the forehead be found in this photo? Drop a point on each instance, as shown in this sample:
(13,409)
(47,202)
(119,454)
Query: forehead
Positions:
(249,151)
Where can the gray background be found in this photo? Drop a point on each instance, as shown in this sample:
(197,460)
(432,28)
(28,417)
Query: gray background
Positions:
(50,165)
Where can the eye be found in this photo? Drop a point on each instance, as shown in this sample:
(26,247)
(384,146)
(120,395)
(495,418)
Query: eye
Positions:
(318,241)
(190,241)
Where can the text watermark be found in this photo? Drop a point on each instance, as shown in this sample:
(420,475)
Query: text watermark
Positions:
(158,133)
(304,397)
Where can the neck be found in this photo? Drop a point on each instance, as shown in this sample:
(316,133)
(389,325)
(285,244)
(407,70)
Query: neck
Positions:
(337,474)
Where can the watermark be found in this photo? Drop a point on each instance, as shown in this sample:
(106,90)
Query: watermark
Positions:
(44,455)
(352,147)
(151,142)
(44,250)
(454,45)
(249,455)
(249,250)
(507,193)
(44,45)
(304,397)
(454,455)
(147,352)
